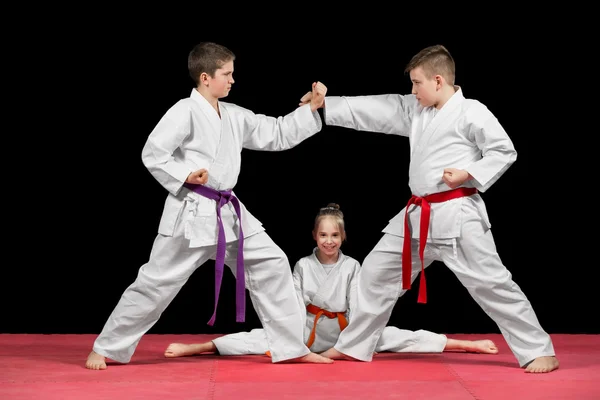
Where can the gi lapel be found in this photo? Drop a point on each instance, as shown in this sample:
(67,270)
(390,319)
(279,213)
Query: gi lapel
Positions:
(432,126)
(327,284)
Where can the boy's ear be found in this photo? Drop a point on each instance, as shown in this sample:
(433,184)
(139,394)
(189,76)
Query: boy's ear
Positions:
(439,81)
(203,78)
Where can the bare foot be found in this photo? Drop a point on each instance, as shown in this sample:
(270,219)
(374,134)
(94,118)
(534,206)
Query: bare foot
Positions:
(310,358)
(472,346)
(333,354)
(95,361)
(183,350)
(542,365)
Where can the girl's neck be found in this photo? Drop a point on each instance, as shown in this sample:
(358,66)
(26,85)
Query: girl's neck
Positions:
(325,259)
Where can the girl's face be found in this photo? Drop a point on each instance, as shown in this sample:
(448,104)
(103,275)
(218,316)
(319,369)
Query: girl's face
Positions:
(328,236)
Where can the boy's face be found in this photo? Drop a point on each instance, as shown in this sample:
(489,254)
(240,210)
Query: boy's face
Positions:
(425,89)
(220,84)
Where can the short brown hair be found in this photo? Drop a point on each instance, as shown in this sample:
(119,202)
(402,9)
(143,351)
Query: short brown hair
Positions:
(435,60)
(207,57)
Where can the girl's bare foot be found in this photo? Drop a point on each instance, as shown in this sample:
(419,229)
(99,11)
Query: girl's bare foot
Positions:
(310,358)
(95,361)
(542,364)
(472,346)
(183,350)
(333,354)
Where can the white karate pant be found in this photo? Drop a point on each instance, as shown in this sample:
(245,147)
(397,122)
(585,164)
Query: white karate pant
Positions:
(172,262)
(392,340)
(476,264)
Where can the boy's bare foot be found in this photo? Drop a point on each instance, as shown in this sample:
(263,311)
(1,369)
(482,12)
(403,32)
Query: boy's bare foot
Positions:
(95,361)
(183,350)
(310,358)
(472,346)
(542,365)
(333,354)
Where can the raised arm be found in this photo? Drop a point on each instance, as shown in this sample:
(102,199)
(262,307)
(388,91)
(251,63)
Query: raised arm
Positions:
(262,132)
(386,113)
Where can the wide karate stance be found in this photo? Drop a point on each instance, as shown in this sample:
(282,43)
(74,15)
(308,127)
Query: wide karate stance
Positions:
(325,284)
(458,149)
(203,219)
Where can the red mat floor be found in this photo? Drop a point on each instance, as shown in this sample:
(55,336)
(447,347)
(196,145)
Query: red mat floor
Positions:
(51,367)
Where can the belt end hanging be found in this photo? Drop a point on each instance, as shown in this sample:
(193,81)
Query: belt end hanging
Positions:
(422,289)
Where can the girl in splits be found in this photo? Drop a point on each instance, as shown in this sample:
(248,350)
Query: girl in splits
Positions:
(325,283)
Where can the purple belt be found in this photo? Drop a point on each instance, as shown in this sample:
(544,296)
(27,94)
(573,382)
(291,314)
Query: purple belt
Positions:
(222,198)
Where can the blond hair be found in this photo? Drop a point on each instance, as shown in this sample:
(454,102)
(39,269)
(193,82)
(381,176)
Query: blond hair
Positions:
(332,210)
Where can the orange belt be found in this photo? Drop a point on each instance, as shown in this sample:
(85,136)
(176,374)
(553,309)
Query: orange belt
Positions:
(317,311)
(425,214)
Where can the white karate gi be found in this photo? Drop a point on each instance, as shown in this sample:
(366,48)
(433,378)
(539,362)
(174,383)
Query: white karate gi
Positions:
(464,134)
(336,292)
(191,136)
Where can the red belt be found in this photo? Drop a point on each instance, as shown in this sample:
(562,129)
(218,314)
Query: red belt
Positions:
(425,214)
(317,311)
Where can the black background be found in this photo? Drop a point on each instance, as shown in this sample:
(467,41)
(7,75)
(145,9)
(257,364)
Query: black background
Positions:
(84,211)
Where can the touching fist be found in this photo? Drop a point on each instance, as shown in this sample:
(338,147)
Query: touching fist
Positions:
(318,95)
(305,99)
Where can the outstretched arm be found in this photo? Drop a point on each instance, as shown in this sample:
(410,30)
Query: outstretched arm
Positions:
(266,133)
(389,113)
